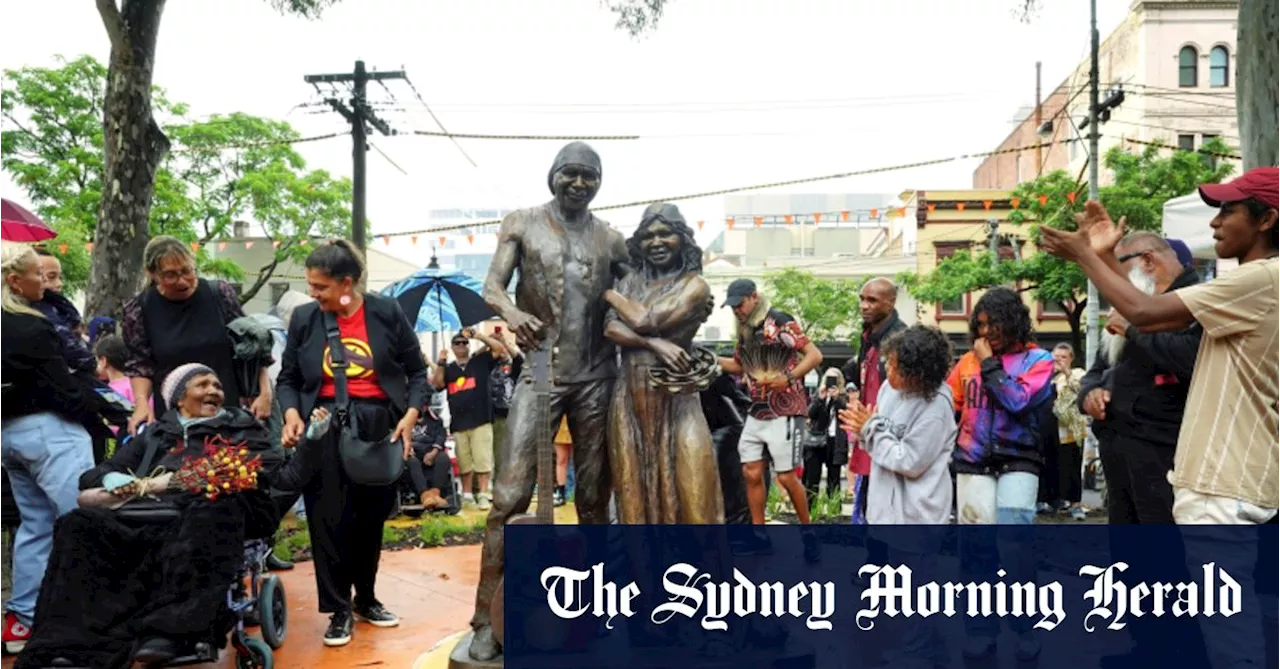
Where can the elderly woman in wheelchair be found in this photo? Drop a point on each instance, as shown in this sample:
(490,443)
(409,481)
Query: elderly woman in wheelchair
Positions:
(146,569)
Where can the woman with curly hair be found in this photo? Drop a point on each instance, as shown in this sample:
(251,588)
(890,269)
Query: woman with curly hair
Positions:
(1003,390)
(660,450)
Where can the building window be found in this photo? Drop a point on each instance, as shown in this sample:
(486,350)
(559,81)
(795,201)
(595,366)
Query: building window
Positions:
(1219,67)
(1188,67)
(958,308)
(1187,142)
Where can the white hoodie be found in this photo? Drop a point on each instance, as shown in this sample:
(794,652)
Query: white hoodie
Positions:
(909,440)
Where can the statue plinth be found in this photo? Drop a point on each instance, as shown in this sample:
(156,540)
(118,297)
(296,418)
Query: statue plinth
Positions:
(461,658)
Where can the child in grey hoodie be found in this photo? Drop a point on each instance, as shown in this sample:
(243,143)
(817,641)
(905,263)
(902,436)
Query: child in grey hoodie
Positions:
(912,432)
(909,438)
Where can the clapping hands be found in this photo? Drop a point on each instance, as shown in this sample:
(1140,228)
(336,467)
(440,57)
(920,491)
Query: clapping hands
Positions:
(854,417)
(1095,231)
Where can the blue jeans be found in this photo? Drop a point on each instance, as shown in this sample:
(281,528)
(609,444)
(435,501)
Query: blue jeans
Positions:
(1006,504)
(45,456)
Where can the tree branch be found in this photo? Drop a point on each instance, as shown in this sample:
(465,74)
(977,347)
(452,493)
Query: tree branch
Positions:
(265,273)
(113,23)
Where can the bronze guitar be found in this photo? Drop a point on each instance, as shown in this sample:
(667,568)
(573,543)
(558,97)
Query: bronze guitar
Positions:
(541,362)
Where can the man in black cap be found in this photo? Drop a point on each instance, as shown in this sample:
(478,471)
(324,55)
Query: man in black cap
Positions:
(567,258)
(778,399)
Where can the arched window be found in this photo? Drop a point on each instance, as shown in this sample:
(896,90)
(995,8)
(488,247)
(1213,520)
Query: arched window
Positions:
(1219,67)
(1188,67)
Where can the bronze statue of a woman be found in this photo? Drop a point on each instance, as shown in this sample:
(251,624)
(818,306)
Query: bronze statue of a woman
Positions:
(660,449)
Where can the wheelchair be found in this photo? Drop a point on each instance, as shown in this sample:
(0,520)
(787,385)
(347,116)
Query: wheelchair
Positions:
(263,599)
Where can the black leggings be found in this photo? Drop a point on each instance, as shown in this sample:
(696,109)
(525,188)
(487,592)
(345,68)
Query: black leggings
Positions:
(345,519)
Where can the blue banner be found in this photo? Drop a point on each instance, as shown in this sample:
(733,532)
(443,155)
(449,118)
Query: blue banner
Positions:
(1049,596)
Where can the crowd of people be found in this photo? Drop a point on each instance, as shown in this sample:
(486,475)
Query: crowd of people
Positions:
(94,423)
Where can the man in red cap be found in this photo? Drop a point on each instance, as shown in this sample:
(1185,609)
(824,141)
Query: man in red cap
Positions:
(1224,470)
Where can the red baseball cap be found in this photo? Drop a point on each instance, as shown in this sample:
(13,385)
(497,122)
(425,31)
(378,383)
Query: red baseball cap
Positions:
(1259,183)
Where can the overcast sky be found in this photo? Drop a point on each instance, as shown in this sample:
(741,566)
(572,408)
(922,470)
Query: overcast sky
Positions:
(726,93)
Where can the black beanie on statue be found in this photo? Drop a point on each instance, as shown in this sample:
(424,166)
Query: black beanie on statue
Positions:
(574,153)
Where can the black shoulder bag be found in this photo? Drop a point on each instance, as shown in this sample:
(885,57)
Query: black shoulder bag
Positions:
(372,463)
(147,510)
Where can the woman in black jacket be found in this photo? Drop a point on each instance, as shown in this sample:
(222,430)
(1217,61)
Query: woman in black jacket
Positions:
(387,383)
(827,446)
(43,443)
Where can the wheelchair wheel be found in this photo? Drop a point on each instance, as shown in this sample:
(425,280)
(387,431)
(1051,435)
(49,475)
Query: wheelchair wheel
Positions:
(258,657)
(273,611)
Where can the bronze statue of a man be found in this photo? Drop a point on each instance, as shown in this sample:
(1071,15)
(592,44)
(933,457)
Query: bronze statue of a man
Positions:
(567,259)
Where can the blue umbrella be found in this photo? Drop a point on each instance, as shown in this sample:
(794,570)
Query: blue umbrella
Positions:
(440,300)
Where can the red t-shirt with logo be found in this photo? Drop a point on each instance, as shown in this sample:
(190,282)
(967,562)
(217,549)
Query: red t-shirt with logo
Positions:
(362,381)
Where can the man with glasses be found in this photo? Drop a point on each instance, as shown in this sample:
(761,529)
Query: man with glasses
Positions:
(466,380)
(1137,389)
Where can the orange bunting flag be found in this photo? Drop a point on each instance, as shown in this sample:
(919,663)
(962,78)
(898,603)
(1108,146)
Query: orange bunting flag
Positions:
(817,218)
(986,204)
(195,246)
(442,241)
(959,206)
(1071,197)
(413,240)
(471,239)
(62,248)
(728,223)
(248,244)
(222,246)
(88,246)
(931,206)
(1044,200)
(789,219)
(875,213)
(386,240)
(1015,201)
(700,223)
(844,215)
(759,221)
(303,242)
(275,243)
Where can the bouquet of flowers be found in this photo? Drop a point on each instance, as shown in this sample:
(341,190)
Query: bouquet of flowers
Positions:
(222,468)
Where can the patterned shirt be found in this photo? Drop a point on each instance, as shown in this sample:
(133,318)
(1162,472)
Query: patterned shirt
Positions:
(778,329)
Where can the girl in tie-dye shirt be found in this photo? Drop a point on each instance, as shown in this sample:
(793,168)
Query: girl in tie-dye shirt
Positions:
(1004,392)
(1002,389)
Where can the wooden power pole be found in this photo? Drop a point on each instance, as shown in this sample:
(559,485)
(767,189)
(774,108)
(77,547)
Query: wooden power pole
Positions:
(358,114)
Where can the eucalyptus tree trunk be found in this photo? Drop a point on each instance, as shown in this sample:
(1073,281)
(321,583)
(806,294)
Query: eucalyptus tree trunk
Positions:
(1256,74)
(133,148)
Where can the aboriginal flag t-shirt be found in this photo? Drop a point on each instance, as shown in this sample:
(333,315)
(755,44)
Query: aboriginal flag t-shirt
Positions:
(470,401)
(362,381)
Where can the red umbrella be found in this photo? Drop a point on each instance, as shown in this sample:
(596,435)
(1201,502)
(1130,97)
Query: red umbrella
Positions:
(20,225)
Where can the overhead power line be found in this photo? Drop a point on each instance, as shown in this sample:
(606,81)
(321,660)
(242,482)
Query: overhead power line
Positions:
(440,125)
(563,138)
(254,145)
(741,189)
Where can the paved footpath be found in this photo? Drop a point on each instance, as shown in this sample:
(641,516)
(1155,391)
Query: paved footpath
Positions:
(431,589)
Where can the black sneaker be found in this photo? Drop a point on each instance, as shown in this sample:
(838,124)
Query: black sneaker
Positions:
(339,632)
(376,615)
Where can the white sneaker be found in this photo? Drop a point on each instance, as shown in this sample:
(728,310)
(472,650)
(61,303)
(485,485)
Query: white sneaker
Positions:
(484,501)
(468,499)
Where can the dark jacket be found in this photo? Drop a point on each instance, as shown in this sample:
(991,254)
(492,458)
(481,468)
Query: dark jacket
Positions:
(852,370)
(724,403)
(821,413)
(397,356)
(174,444)
(35,372)
(66,321)
(428,434)
(1149,383)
